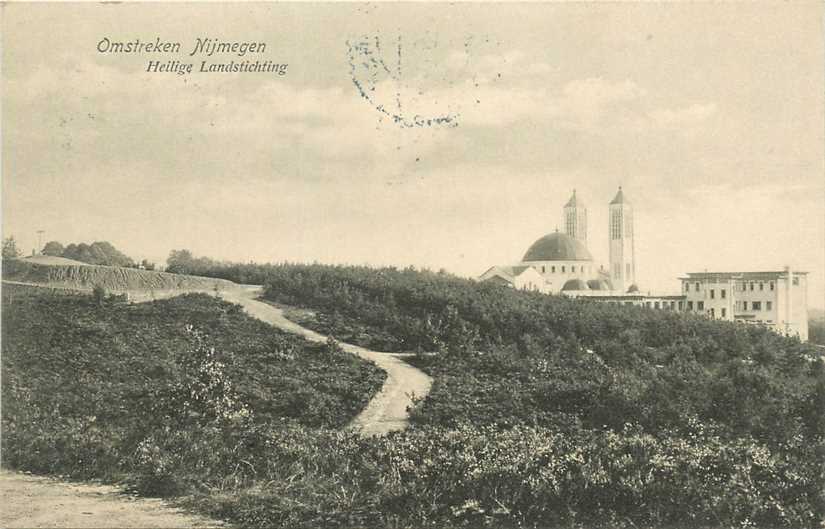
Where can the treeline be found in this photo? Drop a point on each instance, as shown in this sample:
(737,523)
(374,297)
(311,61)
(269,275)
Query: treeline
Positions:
(96,253)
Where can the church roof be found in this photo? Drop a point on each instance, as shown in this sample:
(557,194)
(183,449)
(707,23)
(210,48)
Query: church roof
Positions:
(619,198)
(557,247)
(574,201)
(575,284)
(599,284)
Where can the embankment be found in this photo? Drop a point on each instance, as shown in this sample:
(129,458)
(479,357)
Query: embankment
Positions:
(139,284)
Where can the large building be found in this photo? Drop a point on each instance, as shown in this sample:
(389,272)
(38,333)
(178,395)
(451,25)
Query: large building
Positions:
(778,300)
(563,263)
(560,263)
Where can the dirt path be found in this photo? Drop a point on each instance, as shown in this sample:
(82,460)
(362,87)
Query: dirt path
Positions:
(387,411)
(33,501)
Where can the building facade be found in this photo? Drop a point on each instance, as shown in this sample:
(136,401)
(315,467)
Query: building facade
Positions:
(778,300)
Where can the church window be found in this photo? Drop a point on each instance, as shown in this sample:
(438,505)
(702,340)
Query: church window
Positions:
(616,225)
(768,305)
(722,293)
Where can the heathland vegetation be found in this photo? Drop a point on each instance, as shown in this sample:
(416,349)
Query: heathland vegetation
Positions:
(545,412)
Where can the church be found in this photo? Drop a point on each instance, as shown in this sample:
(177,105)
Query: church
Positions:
(561,263)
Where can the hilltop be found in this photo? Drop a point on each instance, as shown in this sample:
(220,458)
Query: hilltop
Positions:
(60,272)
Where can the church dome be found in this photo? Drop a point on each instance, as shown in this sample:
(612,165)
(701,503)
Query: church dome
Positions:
(557,247)
(598,284)
(575,284)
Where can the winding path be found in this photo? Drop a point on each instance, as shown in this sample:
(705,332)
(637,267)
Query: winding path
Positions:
(387,411)
(32,501)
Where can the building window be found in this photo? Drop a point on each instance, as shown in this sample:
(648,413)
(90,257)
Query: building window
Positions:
(700,305)
(681,305)
(687,286)
(690,305)
(553,269)
(712,294)
(616,225)
(573,269)
(672,305)
(751,287)
(697,287)
(744,305)
(769,305)
(771,285)
(724,312)
(761,286)
(712,313)
(722,293)
(543,269)
(656,305)
(562,269)
(796,281)
(757,305)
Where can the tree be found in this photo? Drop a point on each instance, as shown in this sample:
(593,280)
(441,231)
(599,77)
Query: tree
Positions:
(54,249)
(10,250)
(179,261)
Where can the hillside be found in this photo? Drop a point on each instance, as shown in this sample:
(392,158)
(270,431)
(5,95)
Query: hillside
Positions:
(65,273)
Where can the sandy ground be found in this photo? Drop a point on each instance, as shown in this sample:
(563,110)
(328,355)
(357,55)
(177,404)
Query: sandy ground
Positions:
(387,411)
(34,501)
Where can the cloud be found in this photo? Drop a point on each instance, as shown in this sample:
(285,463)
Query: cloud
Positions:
(689,116)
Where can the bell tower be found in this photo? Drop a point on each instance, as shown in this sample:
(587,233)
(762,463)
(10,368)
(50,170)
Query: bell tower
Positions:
(575,219)
(622,247)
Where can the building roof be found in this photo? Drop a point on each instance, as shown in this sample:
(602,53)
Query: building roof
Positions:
(619,198)
(599,284)
(507,273)
(724,276)
(574,201)
(575,284)
(557,247)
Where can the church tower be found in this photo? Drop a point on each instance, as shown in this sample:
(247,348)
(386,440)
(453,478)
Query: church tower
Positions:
(622,247)
(575,219)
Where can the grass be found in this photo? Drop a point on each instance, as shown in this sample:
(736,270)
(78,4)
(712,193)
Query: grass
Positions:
(75,369)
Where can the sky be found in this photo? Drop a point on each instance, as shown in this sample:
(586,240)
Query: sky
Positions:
(435,135)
